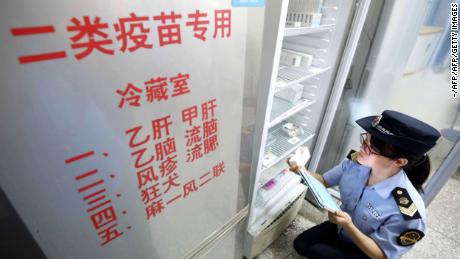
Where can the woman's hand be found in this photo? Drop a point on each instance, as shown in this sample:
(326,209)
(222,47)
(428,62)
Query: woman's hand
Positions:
(293,167)
(364,242)
(340,218)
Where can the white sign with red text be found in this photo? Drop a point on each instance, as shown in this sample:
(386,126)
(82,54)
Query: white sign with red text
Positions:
(121,123)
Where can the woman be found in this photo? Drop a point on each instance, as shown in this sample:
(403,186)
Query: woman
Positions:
(383,214)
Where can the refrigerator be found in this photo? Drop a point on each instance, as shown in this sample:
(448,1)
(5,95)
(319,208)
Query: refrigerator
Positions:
(307,51)
(391,71)
(293,87)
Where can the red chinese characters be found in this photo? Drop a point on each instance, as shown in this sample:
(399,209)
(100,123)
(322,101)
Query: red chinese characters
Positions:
(218,170)
(168,166)
(223,23)
(198,21)
(189,187)
(26,31)
(90,34)
(165,148)
(155,208)
(189,114)
(168,33)
(102,213)
(130,95)
(155,156)
(156,89)
(171,182)
(146,176)
(210,141)
(132,33)
(195,184)
(150,194)
(156,172)
(201,139)
(180,84)
(160,126)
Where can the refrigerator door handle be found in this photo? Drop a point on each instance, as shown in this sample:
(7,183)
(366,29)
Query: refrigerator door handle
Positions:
(348,84)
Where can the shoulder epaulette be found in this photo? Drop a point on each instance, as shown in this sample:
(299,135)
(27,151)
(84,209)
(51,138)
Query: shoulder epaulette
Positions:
(405,204)
(353,155)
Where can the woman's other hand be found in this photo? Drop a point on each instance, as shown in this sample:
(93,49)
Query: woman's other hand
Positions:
(340,218)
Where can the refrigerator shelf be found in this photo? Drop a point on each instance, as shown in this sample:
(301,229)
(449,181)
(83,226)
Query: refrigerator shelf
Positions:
(284,145)
(288,76)
(283,109)
(335,8)
(296,31)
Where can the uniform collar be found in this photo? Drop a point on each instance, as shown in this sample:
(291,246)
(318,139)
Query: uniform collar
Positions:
(385,187)
(363,175)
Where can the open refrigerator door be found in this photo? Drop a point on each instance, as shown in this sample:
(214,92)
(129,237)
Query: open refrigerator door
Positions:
(302,55)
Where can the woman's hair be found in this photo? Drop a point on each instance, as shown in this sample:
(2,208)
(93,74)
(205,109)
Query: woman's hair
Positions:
(417,168)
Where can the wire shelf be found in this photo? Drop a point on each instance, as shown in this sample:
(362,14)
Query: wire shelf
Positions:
(284,145)
(282,109)
(288,76)
(296,31)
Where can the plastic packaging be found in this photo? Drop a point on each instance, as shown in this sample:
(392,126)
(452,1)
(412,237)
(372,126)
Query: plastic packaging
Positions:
(271,188)
(291,94)
(292,130)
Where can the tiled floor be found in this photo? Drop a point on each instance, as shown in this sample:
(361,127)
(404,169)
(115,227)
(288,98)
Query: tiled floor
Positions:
(442,237)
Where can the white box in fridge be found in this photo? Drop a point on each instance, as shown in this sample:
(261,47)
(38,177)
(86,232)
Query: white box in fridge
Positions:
(303,19)
(290,58)
(315,19)
(291,94)
(295,58)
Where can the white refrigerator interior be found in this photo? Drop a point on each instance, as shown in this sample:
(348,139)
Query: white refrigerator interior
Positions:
(303,44)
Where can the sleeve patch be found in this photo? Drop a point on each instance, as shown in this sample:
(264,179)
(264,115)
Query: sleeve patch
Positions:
(410,237)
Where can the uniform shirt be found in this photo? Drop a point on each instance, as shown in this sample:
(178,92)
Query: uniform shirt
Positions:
(373,209)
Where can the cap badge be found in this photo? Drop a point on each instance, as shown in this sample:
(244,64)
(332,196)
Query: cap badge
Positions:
(376,120)
(375,124)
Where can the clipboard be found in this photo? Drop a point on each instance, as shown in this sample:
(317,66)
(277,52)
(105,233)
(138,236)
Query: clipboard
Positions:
(322,197)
